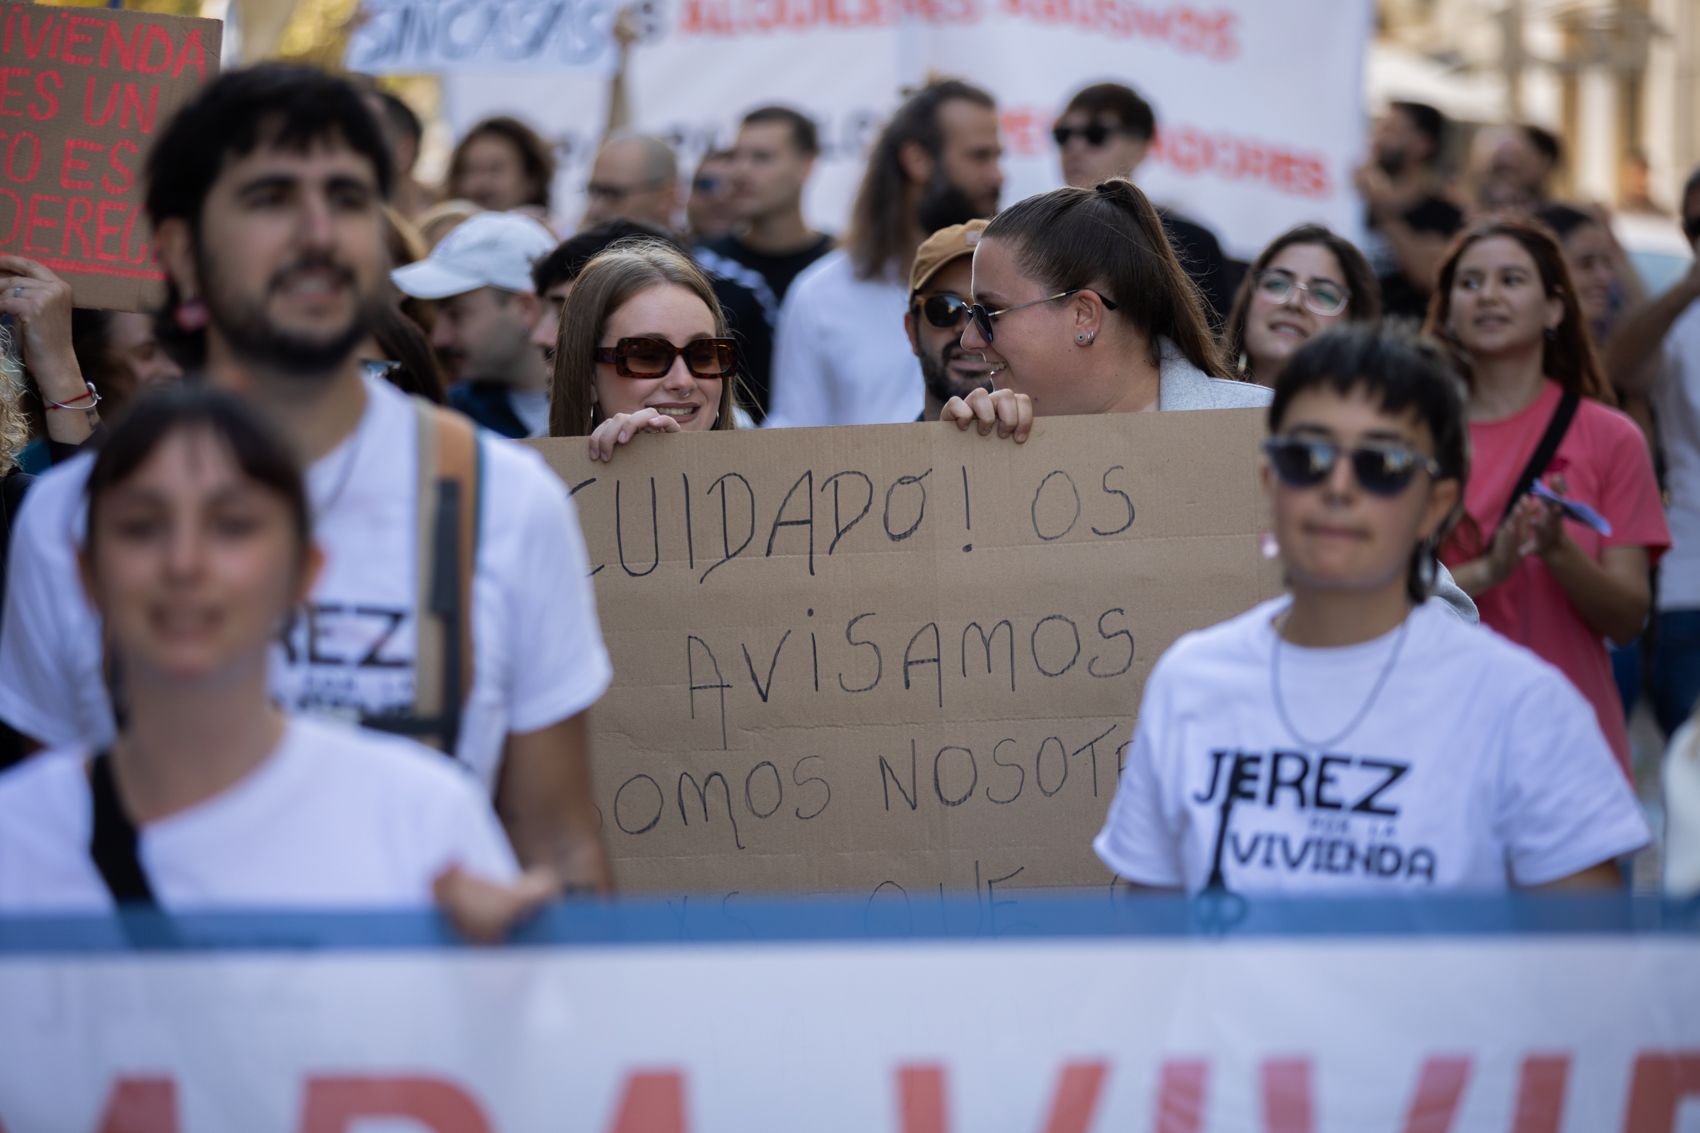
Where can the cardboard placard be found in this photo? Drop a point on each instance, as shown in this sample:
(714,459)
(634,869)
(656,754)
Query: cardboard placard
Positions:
(83,92)
(896,656)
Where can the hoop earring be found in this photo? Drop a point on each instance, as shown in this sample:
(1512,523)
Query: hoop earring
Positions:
(191,315)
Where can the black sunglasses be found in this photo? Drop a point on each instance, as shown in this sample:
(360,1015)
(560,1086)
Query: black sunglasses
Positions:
(1095,134)
(944,311)
(1382,470)
(653,357)
(983,319)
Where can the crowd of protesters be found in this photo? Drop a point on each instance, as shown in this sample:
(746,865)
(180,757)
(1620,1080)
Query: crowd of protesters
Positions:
(1463,418)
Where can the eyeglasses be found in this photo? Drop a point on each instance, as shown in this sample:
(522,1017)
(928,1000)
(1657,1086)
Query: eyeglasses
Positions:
(1382,470)
(1319,295)
(1095,134)
(653,357)
(944,311)
(617,193)
(983,319)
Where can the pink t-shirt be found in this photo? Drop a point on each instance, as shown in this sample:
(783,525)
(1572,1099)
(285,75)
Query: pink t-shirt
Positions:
(1605,464)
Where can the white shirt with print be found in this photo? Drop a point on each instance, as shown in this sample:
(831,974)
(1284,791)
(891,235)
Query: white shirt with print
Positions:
(1477,767)
(537,647)
(336,817)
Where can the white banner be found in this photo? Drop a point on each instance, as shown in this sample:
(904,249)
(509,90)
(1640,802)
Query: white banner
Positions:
(1259,104)
(404,36)
(1066,1034)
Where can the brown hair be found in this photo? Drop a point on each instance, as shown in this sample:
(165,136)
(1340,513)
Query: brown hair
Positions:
(607,282)
(534,156)
(1363,293)
(880,226)
(1567,355)
(1111,240)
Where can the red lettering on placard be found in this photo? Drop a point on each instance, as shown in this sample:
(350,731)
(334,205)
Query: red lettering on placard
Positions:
(1287,1106)
(47,101)
(1540,1094)
(1180,1096)
(1076,1100)
(79,35)
(334,1104)
(653,1102)
(920,1100)
(1661,1083)
(1440,1087)
(73,163)
(143,48)
(140,1105)
(1198,153)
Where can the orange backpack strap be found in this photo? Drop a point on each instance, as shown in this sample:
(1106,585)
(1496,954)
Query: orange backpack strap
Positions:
(450,471)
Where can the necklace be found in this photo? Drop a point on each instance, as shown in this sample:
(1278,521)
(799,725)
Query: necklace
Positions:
(1363,711)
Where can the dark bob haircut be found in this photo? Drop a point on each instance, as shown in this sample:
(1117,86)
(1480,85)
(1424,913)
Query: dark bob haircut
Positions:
(1406,375)
(259,450)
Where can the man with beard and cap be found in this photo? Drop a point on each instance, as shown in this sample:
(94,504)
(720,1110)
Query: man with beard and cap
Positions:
(940,291)
(480,276)
(455,605)
(838,358)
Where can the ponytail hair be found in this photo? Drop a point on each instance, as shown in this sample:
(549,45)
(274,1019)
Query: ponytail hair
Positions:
(1111,240)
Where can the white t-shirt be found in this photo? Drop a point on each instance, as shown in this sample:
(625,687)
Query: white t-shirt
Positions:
(335,817)
(840,356)
(1676,400)
(537,647)
(1478,766)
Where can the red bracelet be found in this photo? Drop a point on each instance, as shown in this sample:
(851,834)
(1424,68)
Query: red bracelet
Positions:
(93,396)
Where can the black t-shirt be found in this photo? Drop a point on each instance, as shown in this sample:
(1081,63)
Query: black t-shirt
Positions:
(747,319)
(1201,256)
(1399,296)
(778,270)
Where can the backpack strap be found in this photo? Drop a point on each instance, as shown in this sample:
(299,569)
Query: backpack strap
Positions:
(114,843)
(1557,426)
(450,468)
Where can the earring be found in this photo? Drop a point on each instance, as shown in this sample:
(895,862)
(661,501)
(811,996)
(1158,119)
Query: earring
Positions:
(1081,339)
(1267,546)
(191,315)
(1551,334)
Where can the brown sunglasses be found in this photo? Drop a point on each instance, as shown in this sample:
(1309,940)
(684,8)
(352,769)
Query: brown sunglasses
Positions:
(653,357)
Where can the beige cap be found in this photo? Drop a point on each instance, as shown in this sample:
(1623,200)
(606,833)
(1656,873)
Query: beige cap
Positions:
(941,248)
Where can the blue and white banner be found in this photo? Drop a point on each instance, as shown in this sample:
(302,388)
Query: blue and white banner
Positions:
(1030,1016)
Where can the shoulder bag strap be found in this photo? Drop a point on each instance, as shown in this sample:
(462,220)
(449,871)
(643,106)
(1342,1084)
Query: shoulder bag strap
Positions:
(114,844)
(448,494)
(1544,452)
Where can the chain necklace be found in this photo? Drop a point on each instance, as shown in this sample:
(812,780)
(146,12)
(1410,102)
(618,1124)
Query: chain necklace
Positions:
(1363,711)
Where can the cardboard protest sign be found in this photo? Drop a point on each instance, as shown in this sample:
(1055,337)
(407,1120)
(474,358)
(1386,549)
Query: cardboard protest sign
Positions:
(83,91)
(900,656)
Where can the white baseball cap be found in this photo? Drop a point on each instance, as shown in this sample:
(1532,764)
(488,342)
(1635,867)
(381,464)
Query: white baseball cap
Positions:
(490,249)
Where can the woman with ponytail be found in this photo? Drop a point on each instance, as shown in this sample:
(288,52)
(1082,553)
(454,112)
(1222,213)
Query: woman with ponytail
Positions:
(1556,579)
(1080,306)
